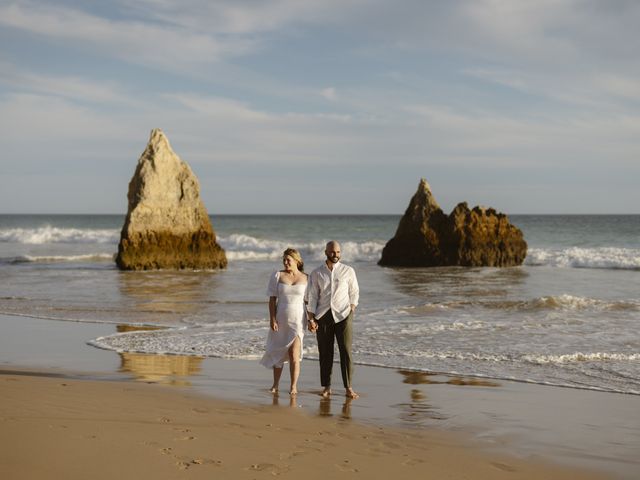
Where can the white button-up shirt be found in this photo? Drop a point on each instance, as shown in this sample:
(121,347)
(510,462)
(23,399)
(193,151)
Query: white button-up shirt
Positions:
(335,289)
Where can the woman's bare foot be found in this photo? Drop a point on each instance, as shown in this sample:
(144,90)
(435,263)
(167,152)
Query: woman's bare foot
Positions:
(326,392)
(351,393)
(293,391)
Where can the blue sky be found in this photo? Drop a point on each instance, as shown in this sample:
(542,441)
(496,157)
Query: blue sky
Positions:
(330,106)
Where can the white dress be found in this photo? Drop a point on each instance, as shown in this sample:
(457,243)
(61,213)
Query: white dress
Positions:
(290,315)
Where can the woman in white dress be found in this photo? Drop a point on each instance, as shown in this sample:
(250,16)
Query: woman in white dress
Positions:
(287,316)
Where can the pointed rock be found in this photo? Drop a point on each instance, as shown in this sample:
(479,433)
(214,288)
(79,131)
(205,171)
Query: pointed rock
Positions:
(167,225)
(417,241)
(426,237)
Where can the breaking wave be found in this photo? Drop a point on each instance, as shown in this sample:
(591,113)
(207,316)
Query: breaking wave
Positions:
(90,257)
(576,257)
(243,247)
(49,234)
(583,357)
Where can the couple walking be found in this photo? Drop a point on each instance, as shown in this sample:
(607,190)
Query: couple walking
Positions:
(326,299)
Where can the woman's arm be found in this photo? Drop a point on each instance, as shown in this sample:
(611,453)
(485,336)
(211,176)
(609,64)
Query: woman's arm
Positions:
(272,314)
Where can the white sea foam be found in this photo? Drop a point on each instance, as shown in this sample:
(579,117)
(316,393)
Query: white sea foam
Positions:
(582,357)
(565,302)
(576,257)
(90,257)
(200,341)
(241,247)
(49,234)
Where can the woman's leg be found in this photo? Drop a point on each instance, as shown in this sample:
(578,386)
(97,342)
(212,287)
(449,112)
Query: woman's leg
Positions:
(294,365)
(277,371)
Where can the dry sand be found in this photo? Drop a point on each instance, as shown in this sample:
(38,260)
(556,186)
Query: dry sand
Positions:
(52,427)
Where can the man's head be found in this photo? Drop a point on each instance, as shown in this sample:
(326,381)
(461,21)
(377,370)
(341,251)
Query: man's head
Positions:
(332,251)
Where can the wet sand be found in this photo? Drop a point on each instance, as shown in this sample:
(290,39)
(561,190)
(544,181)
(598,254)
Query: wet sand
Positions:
(55,412)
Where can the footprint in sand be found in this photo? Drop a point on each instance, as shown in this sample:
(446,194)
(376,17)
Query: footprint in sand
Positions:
(345,466)
(504,467)
(183,463)
(184,438)
(166,451)
(412,461)
(269,467)
(164,420)
(290,455)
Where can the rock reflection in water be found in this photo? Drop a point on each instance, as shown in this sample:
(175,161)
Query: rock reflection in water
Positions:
(416,378)
(434,284)
(425,378)
(168,292)
(164,369)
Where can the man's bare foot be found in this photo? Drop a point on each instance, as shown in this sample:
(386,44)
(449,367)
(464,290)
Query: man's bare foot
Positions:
(273,390)
(351,393)
(326,392)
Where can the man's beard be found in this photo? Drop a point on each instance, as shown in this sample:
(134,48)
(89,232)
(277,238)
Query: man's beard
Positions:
(333,259)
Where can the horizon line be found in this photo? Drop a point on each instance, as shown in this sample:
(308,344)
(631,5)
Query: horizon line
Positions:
(302,214)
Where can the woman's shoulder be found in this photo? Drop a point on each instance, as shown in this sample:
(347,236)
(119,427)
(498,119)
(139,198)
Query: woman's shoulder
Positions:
(275,275)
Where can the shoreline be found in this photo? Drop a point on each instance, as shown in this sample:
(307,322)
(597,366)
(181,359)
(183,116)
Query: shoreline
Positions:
(535,424)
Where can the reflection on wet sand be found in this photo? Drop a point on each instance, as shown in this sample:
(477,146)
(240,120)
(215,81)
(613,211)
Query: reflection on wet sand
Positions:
(164,369)
(324,409)
(292,402)
(422,378)
(136,328)
(418,411)
(168,291)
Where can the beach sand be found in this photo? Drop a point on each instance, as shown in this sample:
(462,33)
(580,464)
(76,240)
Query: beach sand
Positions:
(69,410)
(53,427)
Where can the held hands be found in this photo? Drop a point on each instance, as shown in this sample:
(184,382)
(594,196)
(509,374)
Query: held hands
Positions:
(274,325)
(313,325)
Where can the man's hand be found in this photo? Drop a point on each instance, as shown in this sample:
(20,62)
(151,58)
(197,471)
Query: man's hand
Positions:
(313,325)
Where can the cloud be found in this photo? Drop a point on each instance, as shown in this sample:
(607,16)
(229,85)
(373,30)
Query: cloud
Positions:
(627,88)
(249,17)
(71,87)
(329,94)
(139,42)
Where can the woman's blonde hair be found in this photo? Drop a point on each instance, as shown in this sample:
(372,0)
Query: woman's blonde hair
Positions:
(293,253)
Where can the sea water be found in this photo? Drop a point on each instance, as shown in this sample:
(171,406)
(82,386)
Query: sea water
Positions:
(569,316)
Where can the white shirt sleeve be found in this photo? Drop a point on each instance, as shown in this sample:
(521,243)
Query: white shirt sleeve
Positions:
(354,289)
(311,294)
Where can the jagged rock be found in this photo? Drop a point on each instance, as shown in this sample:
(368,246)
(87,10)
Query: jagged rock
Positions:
(427,237)
(167,225)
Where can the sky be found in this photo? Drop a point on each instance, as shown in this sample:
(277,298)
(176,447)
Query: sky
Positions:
(332,106)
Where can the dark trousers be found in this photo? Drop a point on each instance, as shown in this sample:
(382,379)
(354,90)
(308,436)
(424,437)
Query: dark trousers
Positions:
(328,329)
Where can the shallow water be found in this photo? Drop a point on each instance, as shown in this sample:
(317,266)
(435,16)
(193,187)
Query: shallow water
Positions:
(567,317)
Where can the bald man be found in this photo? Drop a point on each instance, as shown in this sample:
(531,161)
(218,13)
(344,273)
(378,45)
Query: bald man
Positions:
(332,297)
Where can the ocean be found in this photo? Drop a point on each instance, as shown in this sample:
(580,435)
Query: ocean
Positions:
(568,317)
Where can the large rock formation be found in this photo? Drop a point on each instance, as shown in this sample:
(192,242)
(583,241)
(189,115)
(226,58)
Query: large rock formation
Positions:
(167,225)
(427,237)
